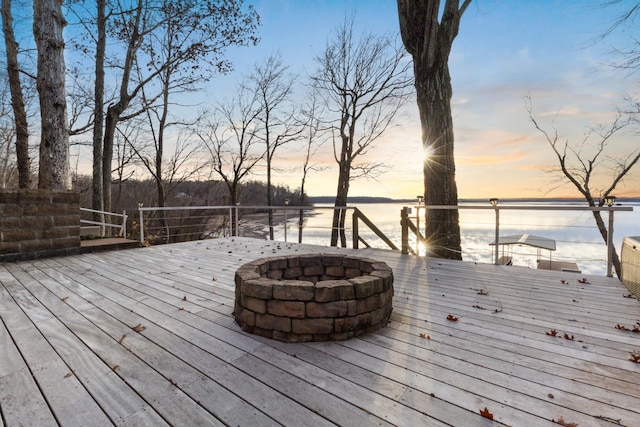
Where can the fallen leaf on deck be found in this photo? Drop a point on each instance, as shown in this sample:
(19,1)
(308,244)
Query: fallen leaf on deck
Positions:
(485,413)
(184,298)
(70,374)
(622,327)
(477,306)
(121,339)
(567,337)
(552,333)
(483,292)
(139,328)
(214,279)
(64,299)
(425,336)
(173,382)
(452,318)
(115,367)
(564,423)
(564,282)
(583,281)
(635,357)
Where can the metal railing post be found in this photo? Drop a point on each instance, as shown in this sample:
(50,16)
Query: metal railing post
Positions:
(497,250)
(285,225)
(235,220)
(141,226)
(418,230)
(610,245)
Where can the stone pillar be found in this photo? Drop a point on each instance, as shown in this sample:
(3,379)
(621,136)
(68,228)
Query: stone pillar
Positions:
(38,223)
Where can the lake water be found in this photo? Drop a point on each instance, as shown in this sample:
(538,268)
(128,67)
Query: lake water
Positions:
(575,232)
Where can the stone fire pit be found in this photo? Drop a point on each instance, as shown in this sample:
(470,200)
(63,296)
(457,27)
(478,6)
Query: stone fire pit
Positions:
(315,297)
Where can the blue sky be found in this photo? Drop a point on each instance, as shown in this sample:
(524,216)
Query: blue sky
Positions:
(505,50)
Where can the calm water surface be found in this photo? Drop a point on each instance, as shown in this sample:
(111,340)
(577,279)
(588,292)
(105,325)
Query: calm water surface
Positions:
(575,233)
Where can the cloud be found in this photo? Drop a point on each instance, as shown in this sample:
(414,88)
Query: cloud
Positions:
(475,160)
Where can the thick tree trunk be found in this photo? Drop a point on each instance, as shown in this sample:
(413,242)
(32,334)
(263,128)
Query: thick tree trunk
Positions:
(429,39)
(48,23)
(434,93)
(98,124)
(17,100)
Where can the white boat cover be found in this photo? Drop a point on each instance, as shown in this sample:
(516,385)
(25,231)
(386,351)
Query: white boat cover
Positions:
(528,240)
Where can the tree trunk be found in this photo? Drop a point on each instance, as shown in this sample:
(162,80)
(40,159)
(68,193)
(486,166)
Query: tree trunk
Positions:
(434,92)
(98,124)
(112,118)
(233,198)
(269,194)
(48,23)
(604,232)
(17,100)
(114,111)
(339,215)
(429,41)
(301,212)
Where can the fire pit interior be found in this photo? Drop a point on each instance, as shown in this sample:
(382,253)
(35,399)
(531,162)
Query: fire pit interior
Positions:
(314,297)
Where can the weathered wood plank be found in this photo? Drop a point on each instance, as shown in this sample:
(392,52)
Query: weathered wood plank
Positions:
(192,357)
(211,357)
(21,402)
(68,400)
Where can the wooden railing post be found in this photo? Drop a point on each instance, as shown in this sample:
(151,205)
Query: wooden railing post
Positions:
(610,245)
(404,224)
(354,228)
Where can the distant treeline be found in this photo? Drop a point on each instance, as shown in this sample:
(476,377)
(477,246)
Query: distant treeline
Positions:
(128,194)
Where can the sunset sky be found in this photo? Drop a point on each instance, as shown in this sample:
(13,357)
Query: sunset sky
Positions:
(505,51)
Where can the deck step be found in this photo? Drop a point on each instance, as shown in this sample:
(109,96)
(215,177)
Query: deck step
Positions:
(108,244)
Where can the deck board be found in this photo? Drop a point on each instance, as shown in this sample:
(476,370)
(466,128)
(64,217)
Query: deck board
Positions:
(69,355)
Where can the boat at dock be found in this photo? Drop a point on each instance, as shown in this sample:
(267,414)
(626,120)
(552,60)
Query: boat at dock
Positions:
(540,243)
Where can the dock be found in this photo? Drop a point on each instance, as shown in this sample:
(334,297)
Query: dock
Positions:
(146,336)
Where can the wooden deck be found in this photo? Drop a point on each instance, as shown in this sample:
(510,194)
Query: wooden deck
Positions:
(146,337)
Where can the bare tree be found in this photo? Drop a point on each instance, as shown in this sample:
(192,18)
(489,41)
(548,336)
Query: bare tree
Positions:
(588,163)
(125,157)
(313,141)
(630,54)
(17,98)
(363,82)
(280,126)
(201,31)
(7,135)
(48,23)
(232,141)
(428,31)
(97,199)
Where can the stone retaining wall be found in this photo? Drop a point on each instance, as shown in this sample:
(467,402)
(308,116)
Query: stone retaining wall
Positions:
(315,297)
(37,223)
